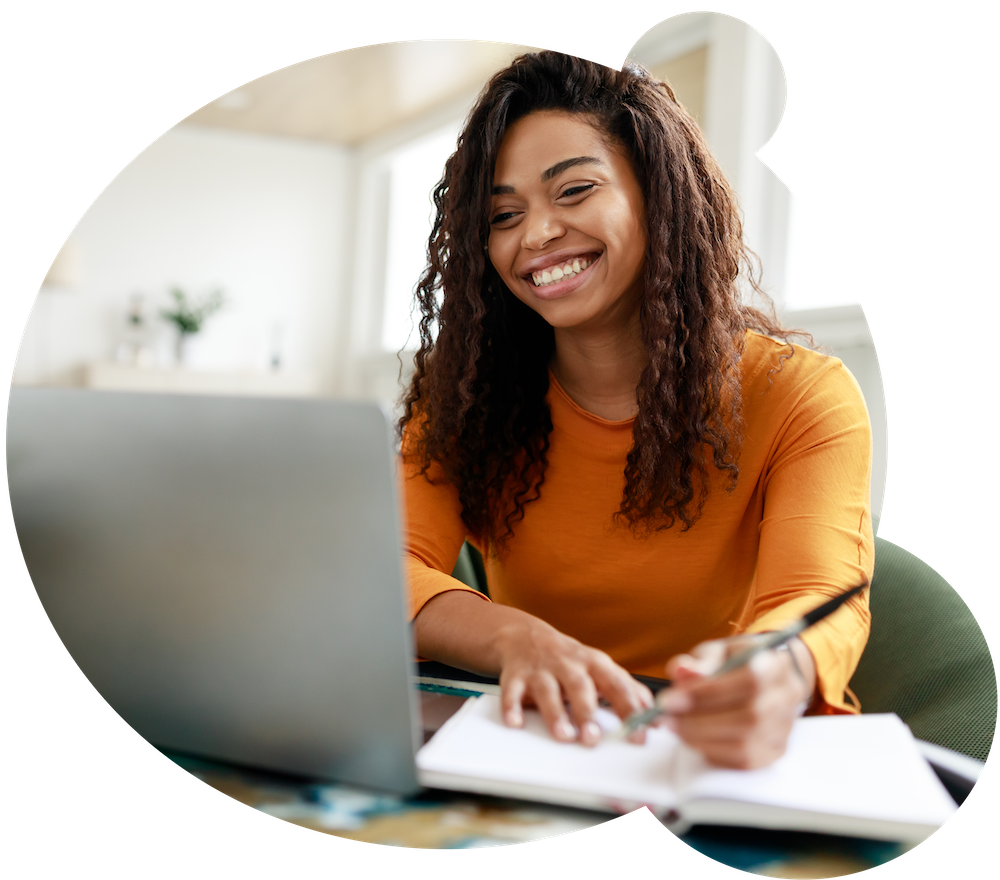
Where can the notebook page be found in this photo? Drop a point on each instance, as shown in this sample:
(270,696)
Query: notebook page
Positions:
(475,743)
(866,766)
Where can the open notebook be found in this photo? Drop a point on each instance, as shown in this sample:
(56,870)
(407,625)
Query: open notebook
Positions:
(860,776)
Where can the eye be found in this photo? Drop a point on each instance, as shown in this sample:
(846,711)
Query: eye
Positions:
(576,190)
(502,218)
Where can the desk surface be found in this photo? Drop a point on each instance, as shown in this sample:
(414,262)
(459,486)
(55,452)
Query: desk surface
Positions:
(446,820)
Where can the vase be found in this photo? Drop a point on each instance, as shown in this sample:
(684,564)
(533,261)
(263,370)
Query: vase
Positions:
(182,349)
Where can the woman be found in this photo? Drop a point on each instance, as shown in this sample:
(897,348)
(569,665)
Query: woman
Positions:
(646,463)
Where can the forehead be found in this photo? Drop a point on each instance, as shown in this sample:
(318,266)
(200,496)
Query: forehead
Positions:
(541,139)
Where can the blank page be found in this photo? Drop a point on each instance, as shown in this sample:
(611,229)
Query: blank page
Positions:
(863,766)
(475,743)
(851,765)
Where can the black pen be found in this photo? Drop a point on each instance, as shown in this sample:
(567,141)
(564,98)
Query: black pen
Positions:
(766,642)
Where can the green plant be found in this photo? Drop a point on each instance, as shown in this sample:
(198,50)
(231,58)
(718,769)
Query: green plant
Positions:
(189,315)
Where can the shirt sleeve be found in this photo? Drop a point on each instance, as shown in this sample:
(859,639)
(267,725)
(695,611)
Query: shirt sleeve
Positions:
(434,533)
(816,535)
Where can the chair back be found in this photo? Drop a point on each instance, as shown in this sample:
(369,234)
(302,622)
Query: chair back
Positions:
(926,659)
(470,570)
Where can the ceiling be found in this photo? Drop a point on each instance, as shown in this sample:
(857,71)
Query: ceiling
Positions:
(351,96)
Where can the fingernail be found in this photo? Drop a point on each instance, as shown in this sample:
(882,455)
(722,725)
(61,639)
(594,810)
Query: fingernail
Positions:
(564,730)
(513,718)
(590,732)
(675,701)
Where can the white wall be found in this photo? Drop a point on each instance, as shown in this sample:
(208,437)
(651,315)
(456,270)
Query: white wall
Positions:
(267,219)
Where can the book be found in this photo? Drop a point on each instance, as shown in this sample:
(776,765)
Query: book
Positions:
(438,678)
(852,775)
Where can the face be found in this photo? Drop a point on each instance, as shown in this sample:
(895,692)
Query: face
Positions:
(567,222)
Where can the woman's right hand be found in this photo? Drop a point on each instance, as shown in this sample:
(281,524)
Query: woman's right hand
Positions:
(543,667)
(537,665)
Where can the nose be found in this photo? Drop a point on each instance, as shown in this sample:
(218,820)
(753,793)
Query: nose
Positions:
(539,227)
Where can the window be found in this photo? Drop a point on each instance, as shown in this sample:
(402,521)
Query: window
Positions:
(414,171)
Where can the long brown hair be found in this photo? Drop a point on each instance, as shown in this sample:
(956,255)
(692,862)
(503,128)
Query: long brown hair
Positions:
(475,410)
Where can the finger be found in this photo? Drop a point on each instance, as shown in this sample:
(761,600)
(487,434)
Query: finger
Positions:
(581,694)
(742,719)
(712,651)
(764,674)
(624,694)
(734,746)
(689,675)
(675,700)
(633,697)
(678,666)
(731,691)
(511,700)
(703,660)
(698,730)
(637,737)
(547,695)
(707,657)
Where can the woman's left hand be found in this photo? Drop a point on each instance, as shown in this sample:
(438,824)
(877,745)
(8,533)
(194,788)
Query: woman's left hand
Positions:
(742,719)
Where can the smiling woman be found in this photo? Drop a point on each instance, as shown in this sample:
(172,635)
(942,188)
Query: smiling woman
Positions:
(648,465)
(568,235)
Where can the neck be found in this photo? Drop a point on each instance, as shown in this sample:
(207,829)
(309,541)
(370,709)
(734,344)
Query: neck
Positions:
(600,372)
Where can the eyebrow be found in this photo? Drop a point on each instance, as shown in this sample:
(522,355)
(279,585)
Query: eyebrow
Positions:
(555,170)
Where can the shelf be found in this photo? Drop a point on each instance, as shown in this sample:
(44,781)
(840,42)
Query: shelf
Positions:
(281,383)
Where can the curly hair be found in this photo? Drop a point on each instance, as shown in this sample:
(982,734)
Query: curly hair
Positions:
(475,412)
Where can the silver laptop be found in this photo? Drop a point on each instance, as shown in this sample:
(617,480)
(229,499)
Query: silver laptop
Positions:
(226,572)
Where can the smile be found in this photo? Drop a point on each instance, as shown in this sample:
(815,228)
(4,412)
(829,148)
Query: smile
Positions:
(557,273)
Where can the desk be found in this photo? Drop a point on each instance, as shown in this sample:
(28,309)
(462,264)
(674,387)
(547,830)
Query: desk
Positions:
(440,819)
(443,821)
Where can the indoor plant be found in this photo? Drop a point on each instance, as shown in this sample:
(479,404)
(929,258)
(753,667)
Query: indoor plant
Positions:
(188,316)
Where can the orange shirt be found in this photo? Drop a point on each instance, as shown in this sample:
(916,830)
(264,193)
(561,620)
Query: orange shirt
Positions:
(795,531)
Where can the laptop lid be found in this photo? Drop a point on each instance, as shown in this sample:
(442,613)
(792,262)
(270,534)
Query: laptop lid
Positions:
(226,572)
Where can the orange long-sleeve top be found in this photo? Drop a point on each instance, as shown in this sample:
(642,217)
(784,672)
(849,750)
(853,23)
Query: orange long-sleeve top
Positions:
(795,531)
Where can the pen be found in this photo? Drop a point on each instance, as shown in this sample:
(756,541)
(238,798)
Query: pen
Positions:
(768,641)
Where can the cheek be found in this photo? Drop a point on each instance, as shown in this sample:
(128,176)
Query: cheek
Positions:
(637,239)
(624,223)
(494,253)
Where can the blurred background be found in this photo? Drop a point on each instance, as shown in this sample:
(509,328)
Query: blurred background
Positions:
(269,243)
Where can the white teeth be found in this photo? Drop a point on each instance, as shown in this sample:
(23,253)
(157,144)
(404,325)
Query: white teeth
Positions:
(558,273)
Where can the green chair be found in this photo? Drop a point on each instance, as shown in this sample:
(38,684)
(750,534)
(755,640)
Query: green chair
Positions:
(926,659)
(470,569)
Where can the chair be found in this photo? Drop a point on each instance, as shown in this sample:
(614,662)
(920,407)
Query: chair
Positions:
(926,659)
(470,569)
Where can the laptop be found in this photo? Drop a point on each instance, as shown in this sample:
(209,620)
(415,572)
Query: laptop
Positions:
(226,572)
